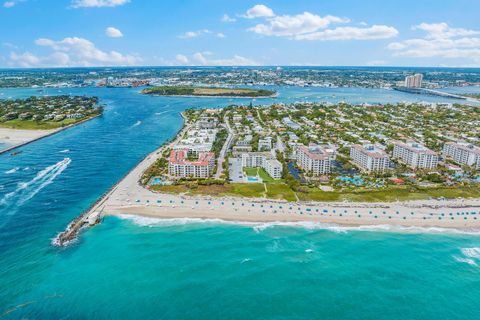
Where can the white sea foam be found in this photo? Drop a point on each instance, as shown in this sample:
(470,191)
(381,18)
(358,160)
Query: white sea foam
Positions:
(64,151)
(245,260)
(465,260)
(13,170)
(308,225)
(470,256)
(308,250)
(27,190)
(136,124)
(473,253)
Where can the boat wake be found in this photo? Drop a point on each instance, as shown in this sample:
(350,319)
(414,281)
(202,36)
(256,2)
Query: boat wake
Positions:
(27,190)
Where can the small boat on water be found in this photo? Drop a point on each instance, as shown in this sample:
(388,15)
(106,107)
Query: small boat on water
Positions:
(15,153)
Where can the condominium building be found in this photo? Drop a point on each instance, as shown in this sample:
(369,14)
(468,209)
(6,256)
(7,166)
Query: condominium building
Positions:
(414,81)
(180,166)
(263,160)
(265,144)
(273,167)
(197,141)
(415,155)
(315,159)
(463,153)
(370,158)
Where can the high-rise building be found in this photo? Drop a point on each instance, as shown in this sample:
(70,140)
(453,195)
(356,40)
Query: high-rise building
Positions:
(463,153)
(370,158)
(415,155)
(414,81)
(180,166)
(315,159)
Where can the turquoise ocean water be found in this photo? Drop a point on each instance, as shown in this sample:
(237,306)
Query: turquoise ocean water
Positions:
(137,268)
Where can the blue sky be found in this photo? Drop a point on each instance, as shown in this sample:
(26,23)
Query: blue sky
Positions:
(59,33)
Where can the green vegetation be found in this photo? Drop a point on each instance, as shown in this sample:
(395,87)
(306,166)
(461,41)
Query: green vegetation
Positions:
(207,91)
(47,112)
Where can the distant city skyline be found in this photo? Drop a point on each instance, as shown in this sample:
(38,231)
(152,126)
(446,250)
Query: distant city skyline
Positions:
(79,33)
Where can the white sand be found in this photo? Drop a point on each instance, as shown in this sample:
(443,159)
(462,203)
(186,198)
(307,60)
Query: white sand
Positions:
(14,137)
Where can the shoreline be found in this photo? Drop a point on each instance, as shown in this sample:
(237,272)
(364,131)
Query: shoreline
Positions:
(48,133)
(207,96)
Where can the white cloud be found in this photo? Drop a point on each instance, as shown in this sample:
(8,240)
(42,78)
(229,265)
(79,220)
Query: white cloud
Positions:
(194,34)
(440,40)
(227,18)
(181,59)
(442,30)
(9,4)
(351,33)
(24,60)
(72,52)
(309,26)
(98,3)
(374,63)
(113,32)
(236,60)
(258,11)
(295,25)
(221,35)
(205,59)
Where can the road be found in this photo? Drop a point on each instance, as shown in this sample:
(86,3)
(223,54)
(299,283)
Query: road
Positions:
(226,146)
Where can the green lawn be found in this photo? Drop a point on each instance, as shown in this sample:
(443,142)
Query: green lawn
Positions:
(280,191)
(37,125)
(264,175)
(250,171)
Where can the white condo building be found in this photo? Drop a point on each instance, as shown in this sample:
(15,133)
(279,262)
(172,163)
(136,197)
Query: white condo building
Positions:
(315,159)
(263,160)
(370,158)
(463,153)
(415,155)
(179,166)
(414,81)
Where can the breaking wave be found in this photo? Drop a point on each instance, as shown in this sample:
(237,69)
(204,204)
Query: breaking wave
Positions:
(12,170)
(470,256)
(308,225)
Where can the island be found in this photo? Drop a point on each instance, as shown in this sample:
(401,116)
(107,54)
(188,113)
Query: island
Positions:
(209,92)
(394,164)
(25,120)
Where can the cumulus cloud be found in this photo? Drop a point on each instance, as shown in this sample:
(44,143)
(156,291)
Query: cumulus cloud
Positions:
(113,32)
(258,11)
(227,18)
(295,25)
(72,52)
(309,26)
(351,33)
(98,3)
(181,59)
(440,40)
(194,34)
(205,58)
(237,60)
(198,33)
(9,4)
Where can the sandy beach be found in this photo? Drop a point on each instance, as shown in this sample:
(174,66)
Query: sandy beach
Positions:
(14,137)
